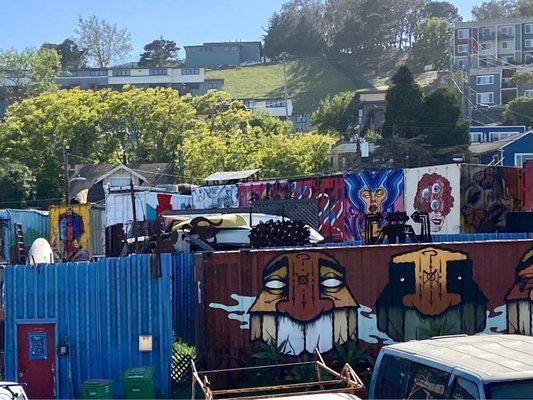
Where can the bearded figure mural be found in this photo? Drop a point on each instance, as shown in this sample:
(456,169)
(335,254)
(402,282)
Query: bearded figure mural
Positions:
(304,304)
(434,197)
(427,289)
(519,300)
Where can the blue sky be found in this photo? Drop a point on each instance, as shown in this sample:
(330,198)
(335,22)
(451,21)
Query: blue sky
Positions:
(29,23)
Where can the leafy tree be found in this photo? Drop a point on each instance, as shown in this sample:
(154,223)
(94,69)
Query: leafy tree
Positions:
(494,9)
(336,113)
(102,42)
(520,112)
(404,99)
(17,182)
(28,72)
(444,10)
(72,57)
(159,53)
(439,120)
(431,45)
(524,8)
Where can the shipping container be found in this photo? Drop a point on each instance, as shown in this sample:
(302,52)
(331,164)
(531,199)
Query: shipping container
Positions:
(302,299)
(34,225)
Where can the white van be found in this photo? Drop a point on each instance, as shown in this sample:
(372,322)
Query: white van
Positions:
(456,367)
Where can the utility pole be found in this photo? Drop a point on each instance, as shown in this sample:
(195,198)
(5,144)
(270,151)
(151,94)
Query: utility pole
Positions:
(181,165)
(66,148)
(284,55)
(134,211)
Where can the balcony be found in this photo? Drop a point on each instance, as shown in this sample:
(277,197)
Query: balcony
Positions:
(505,35)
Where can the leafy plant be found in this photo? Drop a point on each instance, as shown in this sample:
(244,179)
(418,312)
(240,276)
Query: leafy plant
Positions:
(183,348)
(302,373)
(272,352)
(353,355)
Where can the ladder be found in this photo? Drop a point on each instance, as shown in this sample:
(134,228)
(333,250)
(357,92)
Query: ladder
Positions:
(20,250)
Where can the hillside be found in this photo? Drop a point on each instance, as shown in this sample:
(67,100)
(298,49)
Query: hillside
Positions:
(308,82)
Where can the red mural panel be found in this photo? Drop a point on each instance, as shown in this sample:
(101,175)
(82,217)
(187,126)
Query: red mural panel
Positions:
(528,186)
(304,299)
(330,193)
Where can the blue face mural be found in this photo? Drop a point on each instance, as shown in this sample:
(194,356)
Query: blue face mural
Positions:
(370,192)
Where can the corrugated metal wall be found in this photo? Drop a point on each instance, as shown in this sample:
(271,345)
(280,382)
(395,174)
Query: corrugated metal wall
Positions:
(100,309)
(183,297)
(311,298)
(97,233)
(34,225)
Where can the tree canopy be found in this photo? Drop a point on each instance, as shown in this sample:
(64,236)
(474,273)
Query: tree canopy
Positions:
(432,44)
(497,9)
(159,53)
(104,44)
(72,57)
(520,112)
(336,113)
(151,125)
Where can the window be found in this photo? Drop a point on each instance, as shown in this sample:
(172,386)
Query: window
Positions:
(158,71)
(212,85)
(505,45)
(486,62)
(190,71)
(506,31)
(495,136)
(193,86)
(275,103)
(508,59)
(121,72)
(485,98)
(485,80)
(463,48)
(119,181)
(476,137)
(528,93)
(464,389)
(99,72)
(521,158)
(528,28)
(510,390)
(486,46)
(462,64)
(463,33)
(393,377)
(426,382)
(528,43)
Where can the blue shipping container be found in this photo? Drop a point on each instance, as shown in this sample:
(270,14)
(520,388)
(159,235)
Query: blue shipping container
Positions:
(99,310)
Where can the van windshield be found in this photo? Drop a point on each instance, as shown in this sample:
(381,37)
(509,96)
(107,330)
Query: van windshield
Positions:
(510,390)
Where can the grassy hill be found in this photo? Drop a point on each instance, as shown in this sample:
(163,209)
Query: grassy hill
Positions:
(308,82)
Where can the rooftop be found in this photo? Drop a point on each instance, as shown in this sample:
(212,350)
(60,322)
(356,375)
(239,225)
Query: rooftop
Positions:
(492,357)
(487,147)
(491,22)
(231,175)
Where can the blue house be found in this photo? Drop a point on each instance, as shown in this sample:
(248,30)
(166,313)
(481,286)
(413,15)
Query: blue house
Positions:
(512,151)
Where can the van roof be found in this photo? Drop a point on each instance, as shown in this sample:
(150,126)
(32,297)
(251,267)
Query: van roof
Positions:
(492,357)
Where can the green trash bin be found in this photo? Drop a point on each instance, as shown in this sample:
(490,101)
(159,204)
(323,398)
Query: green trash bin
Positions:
(138,383)
(97,389)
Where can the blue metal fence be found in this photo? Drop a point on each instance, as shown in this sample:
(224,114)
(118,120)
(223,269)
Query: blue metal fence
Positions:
(183,297)
(99,309)
(448,238)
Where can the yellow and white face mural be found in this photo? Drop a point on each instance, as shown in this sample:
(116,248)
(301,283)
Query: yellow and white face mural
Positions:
(304,303)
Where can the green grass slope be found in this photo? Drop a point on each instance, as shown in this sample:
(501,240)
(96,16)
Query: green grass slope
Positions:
(308,82)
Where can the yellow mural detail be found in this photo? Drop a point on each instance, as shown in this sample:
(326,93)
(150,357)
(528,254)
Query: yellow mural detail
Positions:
(69,232)
(431,296)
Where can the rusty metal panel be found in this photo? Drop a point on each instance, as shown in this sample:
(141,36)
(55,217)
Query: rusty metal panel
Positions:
(528,186)
(97,231)
(487,194)
(374,295)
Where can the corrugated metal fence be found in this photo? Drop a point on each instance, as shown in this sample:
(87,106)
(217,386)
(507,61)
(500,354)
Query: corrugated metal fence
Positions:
(183,297)
(451,238)
(99,309)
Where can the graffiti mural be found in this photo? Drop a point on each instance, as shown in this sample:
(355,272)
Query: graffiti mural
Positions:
(304,304)
(268,190)
(430,287)
(220,196)
(69,232)
(371,192)
(435,191)
(377,295)
(487,193)
(520,298)
(331,203)
(157,203)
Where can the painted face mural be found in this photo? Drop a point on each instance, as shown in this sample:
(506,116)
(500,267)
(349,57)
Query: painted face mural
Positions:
(520,298)
(434,197)
(486,199)
(305,303)
(71,228)
(370,192)
(428,288)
